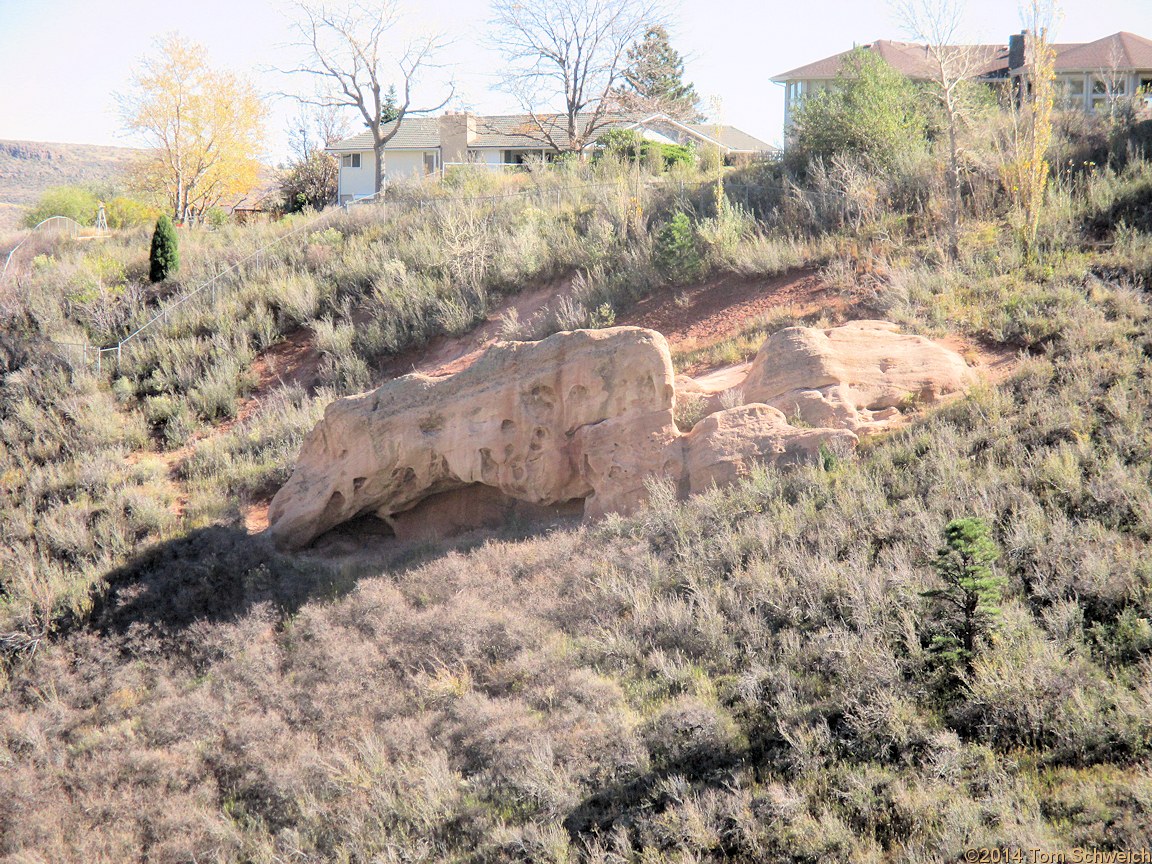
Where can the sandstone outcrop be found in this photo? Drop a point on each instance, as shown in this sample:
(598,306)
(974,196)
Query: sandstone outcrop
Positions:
(580,416)
(580,421)
(858,376)
(516,420)
(723,447)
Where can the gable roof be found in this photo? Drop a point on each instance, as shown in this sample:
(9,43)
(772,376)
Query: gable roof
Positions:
(521,131)
(1122,50)
(908,58)
(415,133)
(735,140)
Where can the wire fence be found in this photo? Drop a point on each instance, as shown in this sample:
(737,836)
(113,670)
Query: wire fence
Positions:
(62,224)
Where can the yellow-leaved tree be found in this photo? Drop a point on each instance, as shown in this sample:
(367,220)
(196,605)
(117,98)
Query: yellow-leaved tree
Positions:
(1026,170)
(204,128)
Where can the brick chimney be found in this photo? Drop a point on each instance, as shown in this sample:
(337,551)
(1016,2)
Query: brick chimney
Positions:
(1018,49)
(457,131)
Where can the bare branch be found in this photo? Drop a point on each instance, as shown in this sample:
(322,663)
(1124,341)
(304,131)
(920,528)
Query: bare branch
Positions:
(568,55)
(351,59)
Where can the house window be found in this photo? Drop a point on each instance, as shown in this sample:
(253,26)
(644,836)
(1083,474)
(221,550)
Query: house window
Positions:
(1071,91)
(350,160)
(1114,86)
(429,163)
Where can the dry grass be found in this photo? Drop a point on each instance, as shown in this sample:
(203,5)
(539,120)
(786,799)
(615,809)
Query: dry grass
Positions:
(744,676)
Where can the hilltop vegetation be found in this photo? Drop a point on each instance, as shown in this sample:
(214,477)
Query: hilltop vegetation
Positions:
(748,675)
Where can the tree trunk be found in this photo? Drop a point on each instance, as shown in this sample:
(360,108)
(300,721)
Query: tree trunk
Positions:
(378,168)
(953,190)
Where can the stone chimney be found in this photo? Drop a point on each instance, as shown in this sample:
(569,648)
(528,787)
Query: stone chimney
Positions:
(1018,49)
(457,131)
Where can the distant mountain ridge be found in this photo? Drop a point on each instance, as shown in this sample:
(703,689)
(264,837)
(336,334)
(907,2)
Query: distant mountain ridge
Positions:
(27,168)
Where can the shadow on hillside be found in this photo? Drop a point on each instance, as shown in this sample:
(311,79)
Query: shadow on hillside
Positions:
(703,763)
(213,574)
(221,573)
(1132,207)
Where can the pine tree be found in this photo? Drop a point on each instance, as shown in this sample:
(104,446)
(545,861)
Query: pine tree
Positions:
(390,110)
(165,257)
(970,602)
(654,79)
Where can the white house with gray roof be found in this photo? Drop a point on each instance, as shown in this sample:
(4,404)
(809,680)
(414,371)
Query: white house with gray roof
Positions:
(423,146)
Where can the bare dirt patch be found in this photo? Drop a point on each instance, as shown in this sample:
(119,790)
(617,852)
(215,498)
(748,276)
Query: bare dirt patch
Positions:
(699,315)
(295,360)
(994,362)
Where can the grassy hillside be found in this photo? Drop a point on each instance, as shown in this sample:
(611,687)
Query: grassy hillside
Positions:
(750,675)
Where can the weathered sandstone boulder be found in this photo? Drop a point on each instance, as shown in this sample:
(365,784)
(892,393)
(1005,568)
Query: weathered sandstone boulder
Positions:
(580,416)
(515,420)
(857,376)
(724,446)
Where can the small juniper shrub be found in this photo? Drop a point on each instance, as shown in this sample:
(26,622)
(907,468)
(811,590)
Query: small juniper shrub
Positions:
(675,254)
(164,259)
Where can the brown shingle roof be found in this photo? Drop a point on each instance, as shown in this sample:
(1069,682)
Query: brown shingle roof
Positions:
(734,139)
(1120,50)
(508,130)
(520,130)
(909,58)
(416,133)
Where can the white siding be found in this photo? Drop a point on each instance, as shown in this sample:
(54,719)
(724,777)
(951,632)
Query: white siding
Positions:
(403,164)
(358,182)
(486,155)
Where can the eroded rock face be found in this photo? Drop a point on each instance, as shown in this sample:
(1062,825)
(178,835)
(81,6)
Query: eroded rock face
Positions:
(724,446)
(858,376)
(587,416)
(518,420)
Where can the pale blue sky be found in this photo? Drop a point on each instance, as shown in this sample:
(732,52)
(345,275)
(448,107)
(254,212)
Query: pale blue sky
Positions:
(61,60)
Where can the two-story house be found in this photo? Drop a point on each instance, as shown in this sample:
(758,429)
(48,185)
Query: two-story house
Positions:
(1090,75)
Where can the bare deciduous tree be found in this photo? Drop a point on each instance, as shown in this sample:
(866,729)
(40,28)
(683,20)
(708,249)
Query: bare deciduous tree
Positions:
(938,24)
(1113,79)
(572,53)
(349,56)
(311,178)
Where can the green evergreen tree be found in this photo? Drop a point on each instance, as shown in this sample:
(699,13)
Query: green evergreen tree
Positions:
(675,254)
(970,600)
(165,256)
(654,79)
(390,110)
